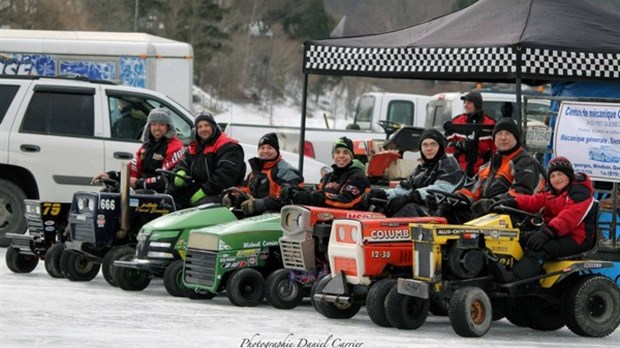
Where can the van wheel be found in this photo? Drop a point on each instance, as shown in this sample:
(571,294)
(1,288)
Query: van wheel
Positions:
(593,307)
(245,287)
(52,260)
(375,301)
(12,210)
(20,263)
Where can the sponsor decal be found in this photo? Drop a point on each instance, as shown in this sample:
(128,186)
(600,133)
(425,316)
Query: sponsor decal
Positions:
(224,246)
(158,157)
(248,252)
(252,261)
(100,220)
(258,244)
(325,216)
(151,208)
(133,202)
(49,228)
(49,222)
(359,215)
(592,265)
(390,234)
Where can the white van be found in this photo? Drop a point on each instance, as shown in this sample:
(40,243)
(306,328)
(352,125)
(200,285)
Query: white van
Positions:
(443,107)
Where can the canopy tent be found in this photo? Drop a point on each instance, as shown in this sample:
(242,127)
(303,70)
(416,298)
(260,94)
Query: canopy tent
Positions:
(514,41)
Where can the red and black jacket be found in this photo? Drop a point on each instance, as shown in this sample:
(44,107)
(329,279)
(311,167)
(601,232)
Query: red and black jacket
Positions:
(161,154)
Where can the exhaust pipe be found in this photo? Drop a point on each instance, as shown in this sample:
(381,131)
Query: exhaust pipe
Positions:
(124,225)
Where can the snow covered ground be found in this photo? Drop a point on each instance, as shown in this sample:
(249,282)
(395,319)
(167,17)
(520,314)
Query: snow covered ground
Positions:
(39,311)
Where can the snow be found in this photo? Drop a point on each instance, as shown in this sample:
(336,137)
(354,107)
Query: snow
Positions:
(39,311)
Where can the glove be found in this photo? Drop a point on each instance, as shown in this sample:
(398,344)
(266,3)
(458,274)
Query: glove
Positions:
(508,202)
(302,197)
(197,196)
(481,206)
(287,193)
(178,179)
(395,204)
(464,145)
(416,197)
(378,193)
(537,240)
(253,206)
(227,200)
(431,203)
(140,184)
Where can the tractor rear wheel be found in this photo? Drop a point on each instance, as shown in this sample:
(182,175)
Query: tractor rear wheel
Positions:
(405,312)
(245,287)
(20,263)
(592,309)
(375,301)
(52,260)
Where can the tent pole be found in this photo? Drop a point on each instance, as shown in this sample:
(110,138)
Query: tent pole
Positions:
(302,128)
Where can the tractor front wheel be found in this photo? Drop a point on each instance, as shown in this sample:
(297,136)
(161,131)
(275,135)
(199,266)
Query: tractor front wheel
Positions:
(245,287)
(20,263)
(78,267)
(131,279)
(375,301)
(283,292)
(52,260)
(470,312)
(405,312)
(108,261)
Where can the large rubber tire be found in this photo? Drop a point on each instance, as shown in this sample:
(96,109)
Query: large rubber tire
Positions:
(245,287)
(20,263)
(52,260)
(78,267)
(515,313)
(405,312)
(173,279)
(116,253)
(332,310)
(375,301)
(592,308)
(544,315)
(12,210)
(131,279)
(470,312)
(318,306)
(282,292)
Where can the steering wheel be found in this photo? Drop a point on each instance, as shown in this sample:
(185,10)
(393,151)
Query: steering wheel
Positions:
(167,175)
(451,199)
(389,127)
(527,218)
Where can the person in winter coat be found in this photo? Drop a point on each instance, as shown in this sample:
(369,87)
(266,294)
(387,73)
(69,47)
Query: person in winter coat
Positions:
(341,188)
(511,170)
(569,224)
(470,150)
(270,173)
(160,149)
(438,171)
(213,160)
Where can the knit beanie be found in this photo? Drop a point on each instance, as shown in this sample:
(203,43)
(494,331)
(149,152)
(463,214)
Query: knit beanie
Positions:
(508,124)
(270,139)
(438,137)
(343,142)
(159,115)
(562,164)
(205,116)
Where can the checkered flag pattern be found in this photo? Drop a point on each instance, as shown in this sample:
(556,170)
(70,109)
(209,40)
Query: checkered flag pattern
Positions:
(328,59)
(481,62)
(547,62)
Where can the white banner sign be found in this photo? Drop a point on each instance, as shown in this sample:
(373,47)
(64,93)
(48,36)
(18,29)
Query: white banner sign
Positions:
(588,134)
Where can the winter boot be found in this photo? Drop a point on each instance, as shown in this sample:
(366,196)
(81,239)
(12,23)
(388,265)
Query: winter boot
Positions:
(530,265)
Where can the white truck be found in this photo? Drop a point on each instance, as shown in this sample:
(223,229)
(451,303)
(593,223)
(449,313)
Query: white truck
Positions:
(57,133)
(373,110)
(131,59)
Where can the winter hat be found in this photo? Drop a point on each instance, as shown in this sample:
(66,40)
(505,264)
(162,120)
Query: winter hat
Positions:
(474,97)
(438,137)
(270,139)
(159,115)
(343,142)
(205,116)
(509,125)
(432,134)
(562,164)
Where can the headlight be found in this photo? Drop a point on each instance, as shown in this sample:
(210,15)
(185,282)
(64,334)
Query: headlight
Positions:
(294,219)
(347,231)
(85,203)
(354,234)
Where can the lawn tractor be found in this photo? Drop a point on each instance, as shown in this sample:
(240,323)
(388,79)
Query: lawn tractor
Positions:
(47,224)
(457,265)
(366,256)
(305,235)
(104,227)
(236,257)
